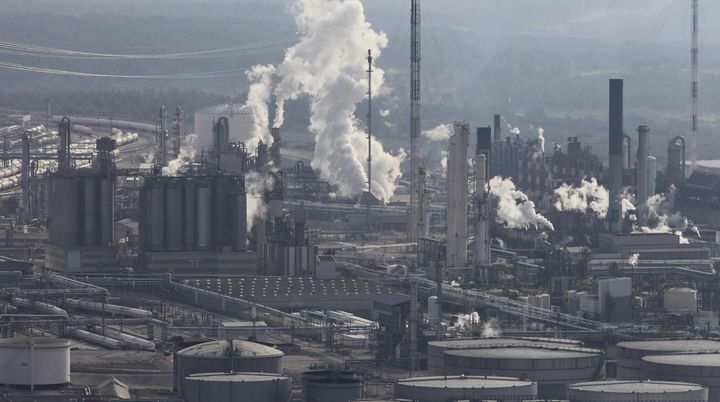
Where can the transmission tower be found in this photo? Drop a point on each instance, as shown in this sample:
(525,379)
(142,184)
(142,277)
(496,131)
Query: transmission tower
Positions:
(414,230)
(694,59)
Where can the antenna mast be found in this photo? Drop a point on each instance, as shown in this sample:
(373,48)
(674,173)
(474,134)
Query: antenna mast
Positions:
(414,229)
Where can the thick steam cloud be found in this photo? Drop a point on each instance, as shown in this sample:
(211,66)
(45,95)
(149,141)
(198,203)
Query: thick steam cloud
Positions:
(186,155)
(588,196)
(327,66)
(514,206)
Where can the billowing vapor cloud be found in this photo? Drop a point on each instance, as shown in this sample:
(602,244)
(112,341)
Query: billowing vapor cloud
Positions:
(257,100)
(255,190)
(443,132)
(327,66)
(186,155)
(633,259)
(662,219)
(514,206)
(589,195)
(541,138)
(433,152)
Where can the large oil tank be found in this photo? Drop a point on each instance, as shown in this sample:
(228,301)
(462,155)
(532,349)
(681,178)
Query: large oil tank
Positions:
(699,368)
(552,368)
(156,216)
(629,354)
(41,362)
(237,387)
(451,388)
(173,217)
(331,386)
(655,391)
(219,357)
(204,221)
(437,349)
(89,212)
(189,215)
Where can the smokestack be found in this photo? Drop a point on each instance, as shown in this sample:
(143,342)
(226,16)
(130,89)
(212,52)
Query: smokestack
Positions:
(481,246)
(642,174)
(457,197)
(497,127)
(615,218)
(652,175)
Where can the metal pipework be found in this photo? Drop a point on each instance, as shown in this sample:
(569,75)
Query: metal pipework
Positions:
(642,174)
(64,153)
(25,176)
(626,138)
(222,137)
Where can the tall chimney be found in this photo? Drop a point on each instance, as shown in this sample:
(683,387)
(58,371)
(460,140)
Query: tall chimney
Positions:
(615,217)
(497,127)
(481,246)
(642,174)
(652,175)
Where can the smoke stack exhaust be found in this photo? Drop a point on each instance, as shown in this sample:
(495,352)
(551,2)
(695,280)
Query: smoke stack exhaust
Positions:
(497,127)
(642,174)
(615,218)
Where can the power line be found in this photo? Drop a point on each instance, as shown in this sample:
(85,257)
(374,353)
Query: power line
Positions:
(204,74)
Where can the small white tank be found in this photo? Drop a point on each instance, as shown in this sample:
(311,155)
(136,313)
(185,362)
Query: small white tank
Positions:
(34,361)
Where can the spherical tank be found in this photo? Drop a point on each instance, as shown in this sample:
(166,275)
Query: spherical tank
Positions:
(217,357)
(655,391)
(436,349)
(237,387)
(36,361)
(330,386)
(553,369)
(441,389)
(629,354)
(700,368)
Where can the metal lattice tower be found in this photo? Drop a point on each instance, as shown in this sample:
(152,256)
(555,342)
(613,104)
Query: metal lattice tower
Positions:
(414,231)
(694,59)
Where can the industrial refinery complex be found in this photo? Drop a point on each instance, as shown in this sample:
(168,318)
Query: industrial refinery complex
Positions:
(203,257)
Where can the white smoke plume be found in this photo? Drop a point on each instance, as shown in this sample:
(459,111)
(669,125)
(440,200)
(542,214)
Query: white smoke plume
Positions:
(467,321)
(589,195)
(186,155)
(257,100)
(491,329)
(633,260)
(327,66)
(541,138)
(514,206)
(433,152)
(255,189)
(662,219)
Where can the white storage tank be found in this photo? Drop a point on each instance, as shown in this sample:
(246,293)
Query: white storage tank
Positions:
(239,117)
(41,362)
(221,357)
(237,387)
(629,354)
(553,369)
(655,391)
(680,300)
(331,386)
(437,349)
(451,388)
(699,368)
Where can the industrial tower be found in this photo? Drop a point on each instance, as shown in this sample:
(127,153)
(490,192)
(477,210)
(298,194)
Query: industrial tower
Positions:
(694,60)
(369,137)
(414,229)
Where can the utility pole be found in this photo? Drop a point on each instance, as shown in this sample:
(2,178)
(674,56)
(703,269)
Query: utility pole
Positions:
(414,229)
(694,59)
(369,138)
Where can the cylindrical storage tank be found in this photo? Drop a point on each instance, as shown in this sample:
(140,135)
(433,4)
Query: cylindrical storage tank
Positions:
(89,212)
(173,217)
(433,309)
(551,369)
(216,357)
(437,349)
(451,388)
(156,216)
(237,387)
(655,391)
(629,354)
(204,221)
(680,300)
(107,212)
(188,215)
(41,362)
(240,226)
(700,368)
(331,386)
